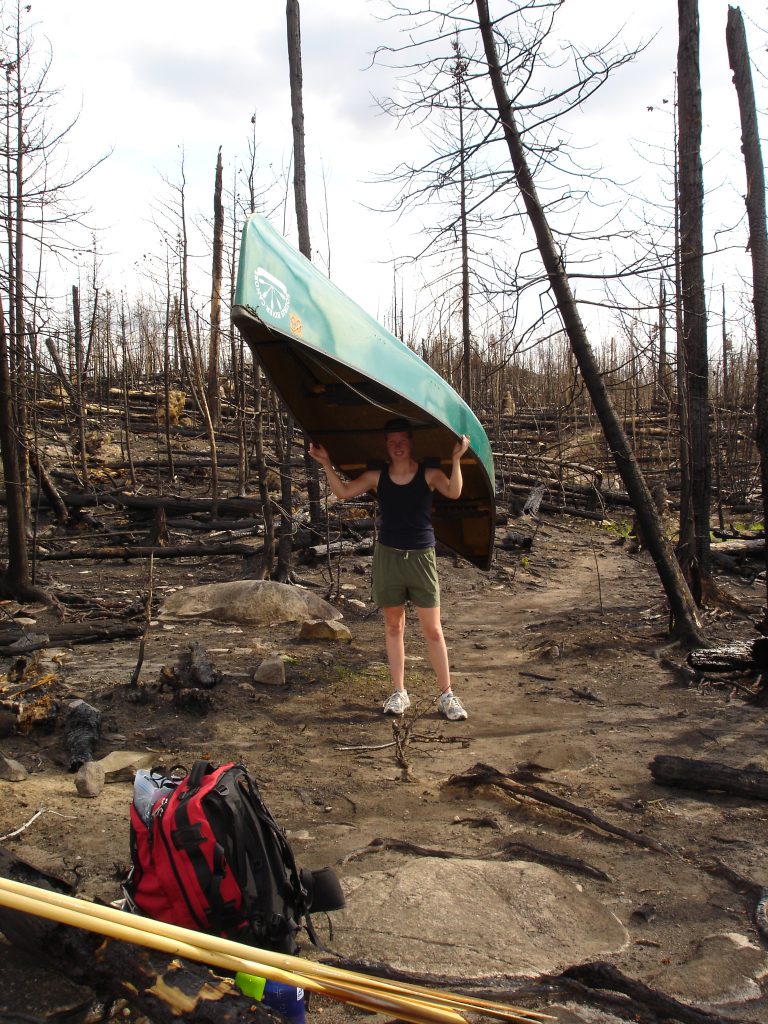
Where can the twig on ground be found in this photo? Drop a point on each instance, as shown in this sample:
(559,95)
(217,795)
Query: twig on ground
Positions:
(760,892)
(509,851)
(35,816)
(147,622)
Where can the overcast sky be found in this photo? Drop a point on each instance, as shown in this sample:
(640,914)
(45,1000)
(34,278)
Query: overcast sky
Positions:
(153,76)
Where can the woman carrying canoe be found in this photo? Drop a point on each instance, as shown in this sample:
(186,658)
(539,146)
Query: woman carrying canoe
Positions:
(404,562)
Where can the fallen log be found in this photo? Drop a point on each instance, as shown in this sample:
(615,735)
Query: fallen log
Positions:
(344,547)
(145,551)
(688,773)
(14,641)
(171,504)
(745,655)
(741,548)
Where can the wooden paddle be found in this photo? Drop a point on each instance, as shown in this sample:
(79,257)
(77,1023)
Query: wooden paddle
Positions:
(337,983)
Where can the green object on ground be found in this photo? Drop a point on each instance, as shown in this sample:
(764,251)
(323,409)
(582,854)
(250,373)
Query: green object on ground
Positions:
(251,985)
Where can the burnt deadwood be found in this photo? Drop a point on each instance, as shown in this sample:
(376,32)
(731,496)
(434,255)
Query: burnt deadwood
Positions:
(603,976)
(145,551)
(749,885)
(232,506)
(192,670)
(166,989)
(508,851)
(16,641)
(82,728)
(48,487)
(688,773)
(486,775)
(747,655)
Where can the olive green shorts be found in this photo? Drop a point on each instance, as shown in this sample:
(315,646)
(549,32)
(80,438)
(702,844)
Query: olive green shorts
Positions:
(400,576)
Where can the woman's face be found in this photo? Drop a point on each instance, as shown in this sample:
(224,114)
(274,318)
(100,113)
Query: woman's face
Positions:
(399,444)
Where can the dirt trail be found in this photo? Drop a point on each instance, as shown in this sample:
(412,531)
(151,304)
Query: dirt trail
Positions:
(529,641)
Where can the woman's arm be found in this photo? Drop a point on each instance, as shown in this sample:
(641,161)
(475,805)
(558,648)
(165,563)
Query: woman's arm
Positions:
(450,487)
(343,489)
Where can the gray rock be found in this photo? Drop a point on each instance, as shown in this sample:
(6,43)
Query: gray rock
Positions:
(324,629)
(121,765)
(12,771)
(474,918)
(250,602)
(89,780)
(271,671)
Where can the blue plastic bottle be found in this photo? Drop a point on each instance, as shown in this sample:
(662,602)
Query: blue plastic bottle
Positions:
(286,999)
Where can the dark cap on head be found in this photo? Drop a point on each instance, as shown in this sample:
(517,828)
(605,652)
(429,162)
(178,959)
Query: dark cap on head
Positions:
(398,425)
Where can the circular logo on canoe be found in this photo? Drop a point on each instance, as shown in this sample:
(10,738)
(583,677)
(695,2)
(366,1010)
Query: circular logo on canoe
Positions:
(272,293)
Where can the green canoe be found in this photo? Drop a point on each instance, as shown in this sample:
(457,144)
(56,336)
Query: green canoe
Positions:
(343,376)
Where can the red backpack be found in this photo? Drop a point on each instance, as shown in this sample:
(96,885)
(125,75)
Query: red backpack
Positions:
(213,858)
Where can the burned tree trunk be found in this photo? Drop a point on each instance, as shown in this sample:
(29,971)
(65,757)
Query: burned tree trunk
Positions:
(709,775)
(738,56)
(691,200)
(686,626)
(214,402)
(293,22)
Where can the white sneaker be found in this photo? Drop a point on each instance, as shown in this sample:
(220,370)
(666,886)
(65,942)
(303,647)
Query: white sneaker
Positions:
(397,704)
(450,706)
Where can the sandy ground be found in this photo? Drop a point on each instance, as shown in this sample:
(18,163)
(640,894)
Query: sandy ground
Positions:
(558,657)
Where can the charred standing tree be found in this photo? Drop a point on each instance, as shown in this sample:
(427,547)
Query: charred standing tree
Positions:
(686,626)
(14,582)
(459,72)
(78,390)
(695,563)
(214,342)
(293,22)
(738,56)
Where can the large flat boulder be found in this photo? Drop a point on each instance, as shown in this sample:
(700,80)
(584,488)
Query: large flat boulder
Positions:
(247,602)
(474,918)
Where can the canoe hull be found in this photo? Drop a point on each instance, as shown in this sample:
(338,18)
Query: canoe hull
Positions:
(343,376)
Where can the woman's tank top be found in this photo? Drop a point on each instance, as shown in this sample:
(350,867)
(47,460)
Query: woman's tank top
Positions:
(405,512)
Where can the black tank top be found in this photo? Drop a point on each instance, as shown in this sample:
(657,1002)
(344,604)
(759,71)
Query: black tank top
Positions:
(405,512)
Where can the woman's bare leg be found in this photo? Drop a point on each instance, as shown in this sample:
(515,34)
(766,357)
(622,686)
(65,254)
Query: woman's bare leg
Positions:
(394,628)
(431,627)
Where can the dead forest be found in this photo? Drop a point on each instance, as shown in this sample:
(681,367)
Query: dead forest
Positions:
(613,657)
(121,465)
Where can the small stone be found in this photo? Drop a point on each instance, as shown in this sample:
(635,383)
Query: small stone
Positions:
(271,671)
(121,765)
(12,771)
(89,780)
(324,629)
